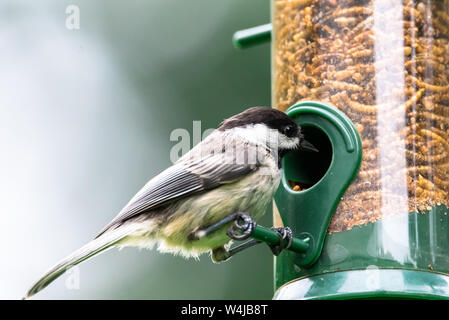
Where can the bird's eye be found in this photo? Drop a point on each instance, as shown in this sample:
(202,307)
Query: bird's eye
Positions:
(289,131)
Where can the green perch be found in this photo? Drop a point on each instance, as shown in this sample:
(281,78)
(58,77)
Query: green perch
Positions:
(253,36)
(271,237)
(243,227)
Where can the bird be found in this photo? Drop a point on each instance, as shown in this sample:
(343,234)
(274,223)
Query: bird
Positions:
(237,168)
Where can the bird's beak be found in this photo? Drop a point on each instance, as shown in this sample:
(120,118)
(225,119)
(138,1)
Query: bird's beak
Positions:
(306,145)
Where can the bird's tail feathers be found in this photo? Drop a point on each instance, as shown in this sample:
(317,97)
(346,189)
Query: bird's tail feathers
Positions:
(100,244)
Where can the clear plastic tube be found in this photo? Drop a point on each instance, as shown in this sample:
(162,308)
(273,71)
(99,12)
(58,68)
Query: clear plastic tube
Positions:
(385,63)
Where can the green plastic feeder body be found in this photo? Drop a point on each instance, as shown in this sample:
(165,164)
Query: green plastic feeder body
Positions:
(366,261)
(378,228)
(376,221)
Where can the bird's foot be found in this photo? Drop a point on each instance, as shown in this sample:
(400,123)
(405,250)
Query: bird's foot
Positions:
(220,254)
(241,229)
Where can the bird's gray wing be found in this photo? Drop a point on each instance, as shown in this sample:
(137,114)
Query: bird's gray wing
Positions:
(181,180)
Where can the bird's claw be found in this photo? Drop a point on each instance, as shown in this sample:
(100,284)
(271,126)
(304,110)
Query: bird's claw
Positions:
(242,228)
(220,254)
(285,240)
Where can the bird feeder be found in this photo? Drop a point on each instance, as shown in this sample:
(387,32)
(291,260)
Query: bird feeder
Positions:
(368,81)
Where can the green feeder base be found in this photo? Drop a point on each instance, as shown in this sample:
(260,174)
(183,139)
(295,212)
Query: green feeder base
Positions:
(368,284)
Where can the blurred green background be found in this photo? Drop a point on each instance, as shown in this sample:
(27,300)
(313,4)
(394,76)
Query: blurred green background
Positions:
(85,121)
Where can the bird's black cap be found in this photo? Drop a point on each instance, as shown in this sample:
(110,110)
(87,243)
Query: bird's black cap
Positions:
(272,118)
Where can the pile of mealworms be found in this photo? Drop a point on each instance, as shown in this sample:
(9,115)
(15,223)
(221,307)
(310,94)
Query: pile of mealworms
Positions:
(385,64)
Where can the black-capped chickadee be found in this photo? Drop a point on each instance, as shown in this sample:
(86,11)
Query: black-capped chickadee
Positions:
(236,168)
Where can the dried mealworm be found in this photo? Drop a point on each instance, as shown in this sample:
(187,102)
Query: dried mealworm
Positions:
(363,53)
(362,108)
(293,3)
(414,99)
(341,85)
